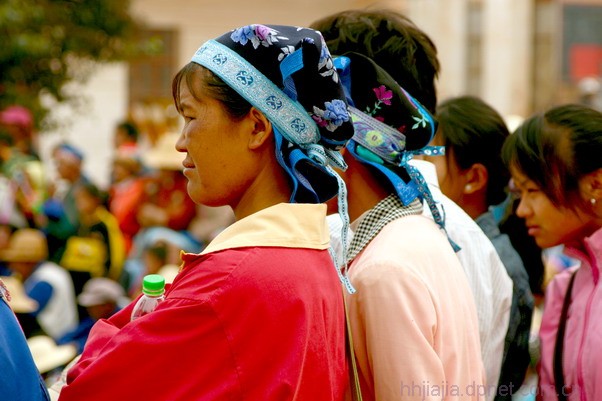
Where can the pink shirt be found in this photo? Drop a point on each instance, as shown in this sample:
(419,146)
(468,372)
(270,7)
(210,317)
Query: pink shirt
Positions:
(413,317)
(582,353)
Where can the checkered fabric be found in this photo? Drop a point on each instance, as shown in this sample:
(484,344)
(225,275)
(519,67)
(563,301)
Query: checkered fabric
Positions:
(383,213)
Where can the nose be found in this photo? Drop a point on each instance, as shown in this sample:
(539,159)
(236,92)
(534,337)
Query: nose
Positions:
(522,210)
(180,143)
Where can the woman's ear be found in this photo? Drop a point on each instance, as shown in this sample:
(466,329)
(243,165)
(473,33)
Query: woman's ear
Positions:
(476,178)
(261,128)
(591,186)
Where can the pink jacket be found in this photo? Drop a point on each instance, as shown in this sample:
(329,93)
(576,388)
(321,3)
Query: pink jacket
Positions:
(582,354)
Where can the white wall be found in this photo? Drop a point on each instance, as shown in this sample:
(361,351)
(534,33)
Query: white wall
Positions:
(91,126)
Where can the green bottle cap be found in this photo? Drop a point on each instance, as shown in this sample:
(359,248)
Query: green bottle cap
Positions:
(153,284)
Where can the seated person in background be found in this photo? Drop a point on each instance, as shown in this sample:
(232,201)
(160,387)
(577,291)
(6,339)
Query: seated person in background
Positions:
(44,281)
(102,297)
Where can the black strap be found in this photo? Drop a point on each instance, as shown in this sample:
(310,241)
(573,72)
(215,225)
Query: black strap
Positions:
(558,373)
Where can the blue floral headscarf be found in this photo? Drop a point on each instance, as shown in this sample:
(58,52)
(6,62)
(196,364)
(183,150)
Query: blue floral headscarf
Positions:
(288,74)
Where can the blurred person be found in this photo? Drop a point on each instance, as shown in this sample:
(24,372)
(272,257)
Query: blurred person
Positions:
(44,281)
(154,257)
(272,266)
(18,122)
(166,203)
(22,185)
(126,193)
(97,249)
(209,222)
(102,297)
(126,137)
(20,379)
(554,161)
(404,51)
(60,209)
(472,174)
(413,302)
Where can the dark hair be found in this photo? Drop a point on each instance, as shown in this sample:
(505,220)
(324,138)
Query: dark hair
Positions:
(93,191)
(556,149)
(234,104)
(474,132)
(129,128)
(393,41)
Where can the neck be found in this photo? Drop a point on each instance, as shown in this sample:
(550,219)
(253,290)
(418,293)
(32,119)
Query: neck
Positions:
(364,191)
(270,187)
(473,204)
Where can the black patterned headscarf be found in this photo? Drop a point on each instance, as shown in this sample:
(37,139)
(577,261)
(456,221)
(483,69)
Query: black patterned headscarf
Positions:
(390,128)
(288,74)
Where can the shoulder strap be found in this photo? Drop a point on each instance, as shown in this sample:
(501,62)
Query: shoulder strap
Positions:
(558,373)
(354,381)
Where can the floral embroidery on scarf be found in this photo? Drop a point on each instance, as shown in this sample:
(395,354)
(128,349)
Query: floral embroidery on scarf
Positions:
(327,64)
(334,115)
(285,51)
(257,35)
(422,121)
(383,96)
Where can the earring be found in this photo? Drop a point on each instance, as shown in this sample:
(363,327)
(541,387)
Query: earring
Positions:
(468,187)
(593,201)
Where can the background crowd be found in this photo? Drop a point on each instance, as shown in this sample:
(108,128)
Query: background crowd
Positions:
(80,251)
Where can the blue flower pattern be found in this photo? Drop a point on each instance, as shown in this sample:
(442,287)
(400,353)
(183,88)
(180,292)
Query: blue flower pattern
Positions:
(258,35)
(335,112)
(333,116)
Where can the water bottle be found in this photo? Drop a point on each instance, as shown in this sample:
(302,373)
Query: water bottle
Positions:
(153,288)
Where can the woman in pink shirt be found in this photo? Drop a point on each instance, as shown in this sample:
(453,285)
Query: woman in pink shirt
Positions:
(555,162)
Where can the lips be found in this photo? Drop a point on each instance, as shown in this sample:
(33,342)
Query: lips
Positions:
(533,230)
(187,163)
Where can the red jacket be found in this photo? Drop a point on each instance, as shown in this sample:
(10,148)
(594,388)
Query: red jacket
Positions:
(239,323)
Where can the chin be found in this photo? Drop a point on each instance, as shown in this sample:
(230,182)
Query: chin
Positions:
(546,242)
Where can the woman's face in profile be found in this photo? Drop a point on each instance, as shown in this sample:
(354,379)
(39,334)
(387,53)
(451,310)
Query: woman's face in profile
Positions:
(548,224)
(215,146)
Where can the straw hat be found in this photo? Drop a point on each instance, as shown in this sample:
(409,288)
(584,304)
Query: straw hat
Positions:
(26,245)
(47,355)
(164,154)
(19,301)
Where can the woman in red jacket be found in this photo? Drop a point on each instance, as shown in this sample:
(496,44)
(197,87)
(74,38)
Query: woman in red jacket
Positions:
(258,315)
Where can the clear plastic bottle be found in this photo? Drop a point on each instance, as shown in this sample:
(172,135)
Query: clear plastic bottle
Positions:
(153,288)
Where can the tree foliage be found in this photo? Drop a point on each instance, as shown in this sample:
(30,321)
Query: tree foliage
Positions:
(46,43)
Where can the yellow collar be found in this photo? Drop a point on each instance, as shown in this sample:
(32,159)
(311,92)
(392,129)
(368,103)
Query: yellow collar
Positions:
(288,225)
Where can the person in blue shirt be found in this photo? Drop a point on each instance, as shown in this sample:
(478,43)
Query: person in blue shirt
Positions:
(20,379)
